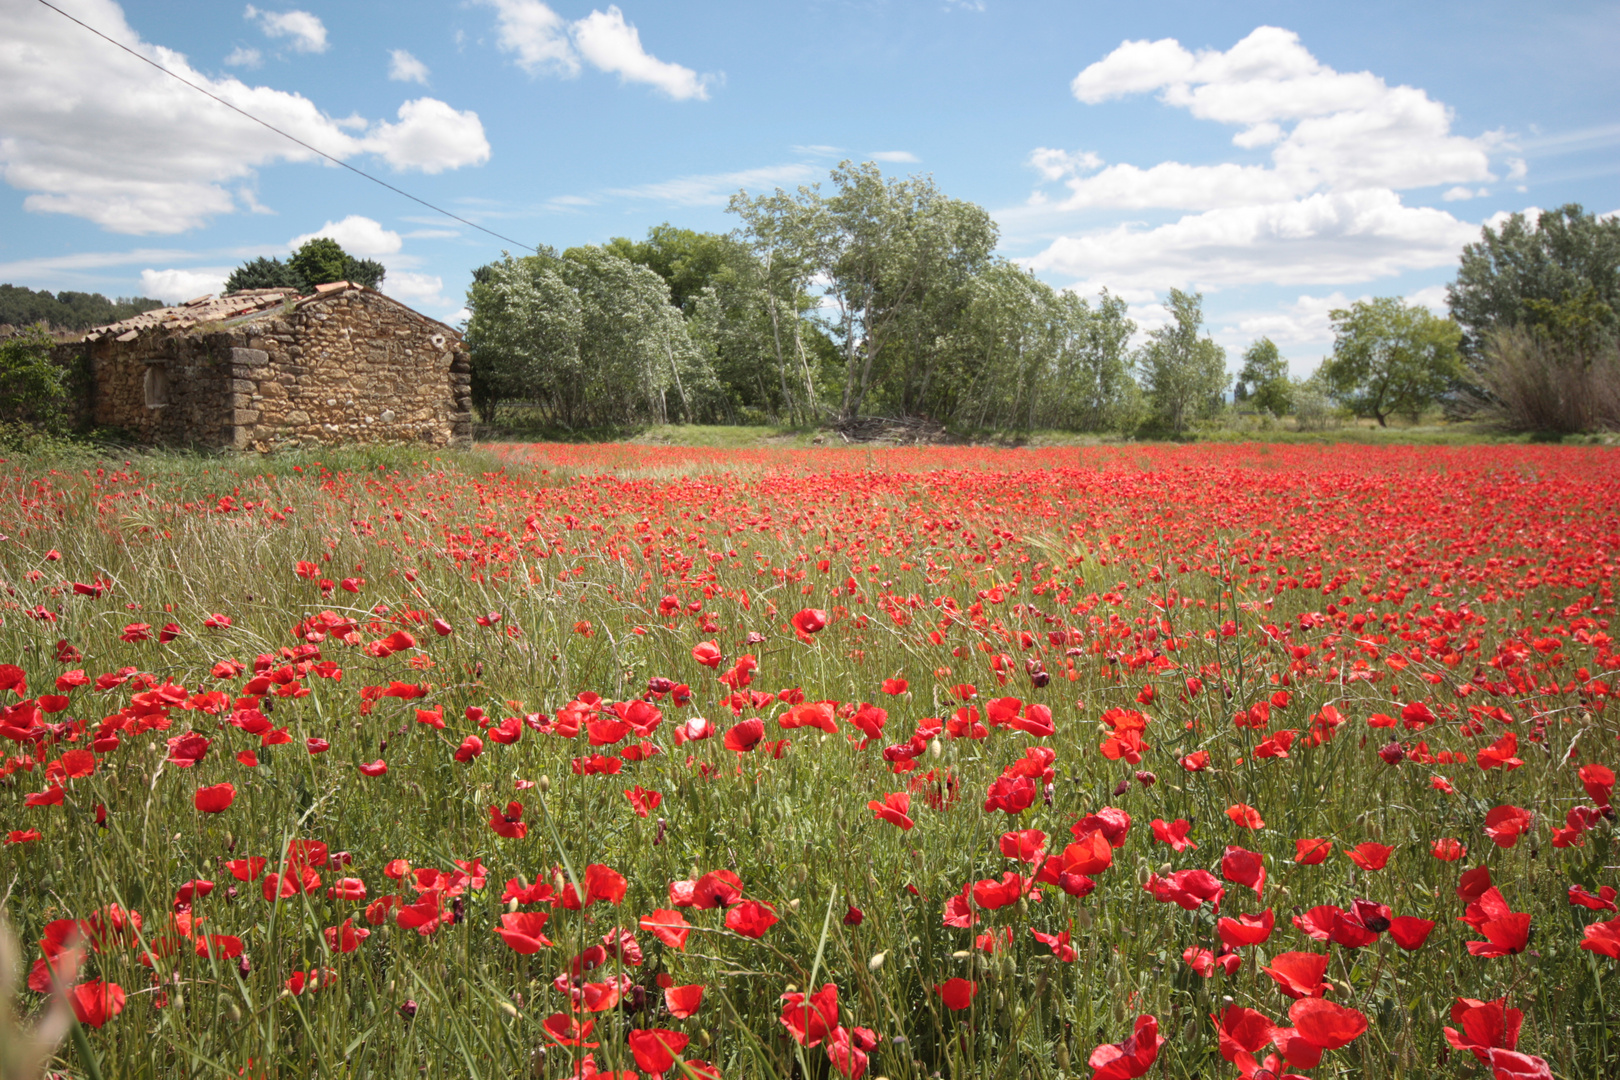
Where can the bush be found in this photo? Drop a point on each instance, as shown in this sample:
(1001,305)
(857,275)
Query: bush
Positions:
(33,390)
(1536,383)
(1313,410)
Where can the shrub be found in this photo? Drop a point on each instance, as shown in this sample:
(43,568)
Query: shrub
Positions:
(1537,383)
(33,390)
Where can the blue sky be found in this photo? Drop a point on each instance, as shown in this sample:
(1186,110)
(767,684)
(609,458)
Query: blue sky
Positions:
(1283,158)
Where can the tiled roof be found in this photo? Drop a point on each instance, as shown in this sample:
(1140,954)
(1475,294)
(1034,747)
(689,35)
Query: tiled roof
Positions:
(204,309)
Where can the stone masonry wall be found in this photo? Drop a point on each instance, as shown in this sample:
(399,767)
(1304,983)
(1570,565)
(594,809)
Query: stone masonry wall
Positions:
(351,366)
(346,366)
(194,387)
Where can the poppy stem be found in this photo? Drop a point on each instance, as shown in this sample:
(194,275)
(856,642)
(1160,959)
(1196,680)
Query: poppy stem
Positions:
(82,1046)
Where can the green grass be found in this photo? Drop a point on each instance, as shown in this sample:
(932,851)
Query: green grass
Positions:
(439,535)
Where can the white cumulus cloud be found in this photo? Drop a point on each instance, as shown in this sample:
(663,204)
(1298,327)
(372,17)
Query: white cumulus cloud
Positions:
(359,236)
(1325,238)
(1348,130)
(307,33)
(91,131)
(244,57)
(544,43)
(894,156)
(178,286)
(403,67)
(713,189)
(418,290)
(430,136)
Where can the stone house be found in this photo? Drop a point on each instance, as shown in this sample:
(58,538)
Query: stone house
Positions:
(265,369)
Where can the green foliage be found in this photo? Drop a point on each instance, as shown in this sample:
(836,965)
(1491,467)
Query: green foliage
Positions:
(33,390)
(67,310)
(262,273)
(1183,374)
(588,337)
(319,261)
(1391,357)
(1562,273)
(1265,378)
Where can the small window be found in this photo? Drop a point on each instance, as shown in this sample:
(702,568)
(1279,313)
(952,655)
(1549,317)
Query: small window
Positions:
(157,386)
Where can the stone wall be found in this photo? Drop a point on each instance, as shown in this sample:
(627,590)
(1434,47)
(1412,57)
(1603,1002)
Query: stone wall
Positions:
(349,366)
(346,366)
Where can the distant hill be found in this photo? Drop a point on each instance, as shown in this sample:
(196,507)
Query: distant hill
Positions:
(67,310)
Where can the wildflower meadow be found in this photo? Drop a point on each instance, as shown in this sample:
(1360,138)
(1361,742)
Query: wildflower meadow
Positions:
(547,761)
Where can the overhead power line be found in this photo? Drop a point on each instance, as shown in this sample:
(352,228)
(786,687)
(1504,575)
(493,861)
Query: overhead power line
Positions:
(285,135)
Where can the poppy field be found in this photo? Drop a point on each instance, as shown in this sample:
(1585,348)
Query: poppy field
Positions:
(568,761)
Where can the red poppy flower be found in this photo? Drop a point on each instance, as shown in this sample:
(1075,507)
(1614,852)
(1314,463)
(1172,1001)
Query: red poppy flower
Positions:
(188,749)
(1598,780)
(708,654)
(1500,754)
(1324,1024)
(1058,943)
(1241,1031)
(1188,889)
(893,809)
(810,1019)
(956,993)
(1312,852)
(1245,816)
(1603,901)
(566,1030)
(1244,868)
(642,801)
(350,889)
(521,930)
(1368,855)
(96,1002)
(744,736)
(1600,937)
(714,889)
(1505,824)
(1010,795)
(1245,929)
(1131,1058)
(1506,932)
(751,918)
(1448,850)
(1474,883)
(656,1050)
(669,927)
(1025,845)
(345,938)
(1196,762)
(1512,1065)
(895,686)
(376,768)
(22,836)
(1484,1025)
(1299,974)
(509,823)
(603,883)
(1173,833)
(683,1001)
(1410,932)
(809,621)
(470,748)
(1112,822)
(213,800)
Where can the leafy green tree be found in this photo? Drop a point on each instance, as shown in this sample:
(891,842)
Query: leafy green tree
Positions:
(1391,357)
(1526,274)
(1265,378)
(262,273)
(1183,373)
(588,337)
(319,261)
(33,389)
(67,310)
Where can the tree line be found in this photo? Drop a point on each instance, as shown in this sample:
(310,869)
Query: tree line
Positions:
(882,295)
(67,310)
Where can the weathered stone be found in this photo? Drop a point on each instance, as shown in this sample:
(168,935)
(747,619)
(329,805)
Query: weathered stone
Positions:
(250,357)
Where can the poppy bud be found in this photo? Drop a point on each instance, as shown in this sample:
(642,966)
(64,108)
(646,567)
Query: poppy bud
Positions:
(1146,779)
(408,1010)
(935,750)
(544,783)
(1121,788)
(662,824)
(243,966)
(230,894)
(1392,753)
(458,910)
(755,638)
(876,961)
